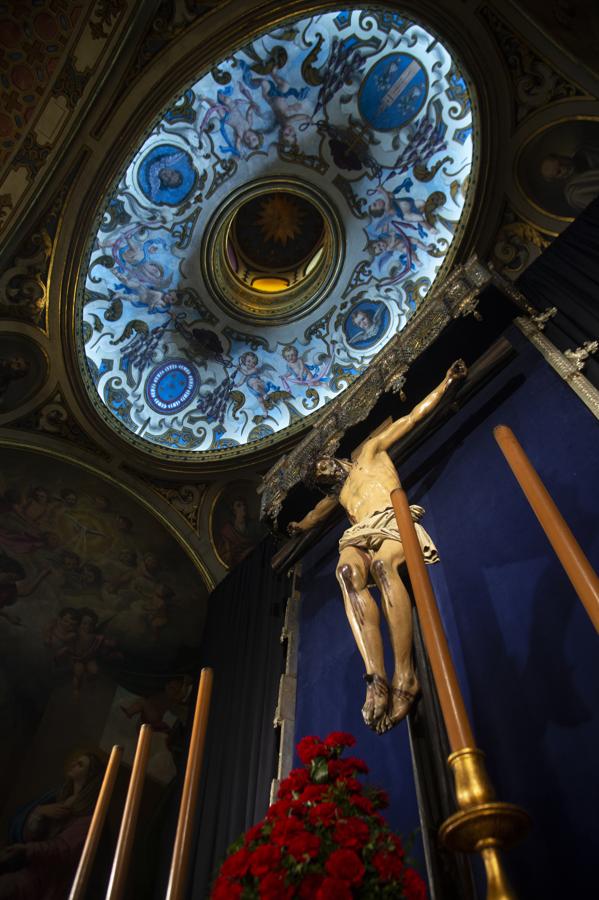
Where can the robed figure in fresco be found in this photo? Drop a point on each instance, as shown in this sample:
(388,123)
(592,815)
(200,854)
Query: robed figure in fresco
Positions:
(371,550)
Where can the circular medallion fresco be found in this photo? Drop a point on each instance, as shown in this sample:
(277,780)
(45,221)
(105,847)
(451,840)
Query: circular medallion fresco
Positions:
(170,386)
(278,224)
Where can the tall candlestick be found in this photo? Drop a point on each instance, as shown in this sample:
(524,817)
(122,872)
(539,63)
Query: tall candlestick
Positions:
(94,833)
(578,569)
(482,823)
(124,844)
(185,825)
(454,712)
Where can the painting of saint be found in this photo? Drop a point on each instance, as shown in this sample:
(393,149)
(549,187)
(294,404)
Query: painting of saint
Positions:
(366,324)
(46,835)
(21,370)
(234,526)
(558,169)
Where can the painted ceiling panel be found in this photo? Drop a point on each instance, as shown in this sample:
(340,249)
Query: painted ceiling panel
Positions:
(279,223)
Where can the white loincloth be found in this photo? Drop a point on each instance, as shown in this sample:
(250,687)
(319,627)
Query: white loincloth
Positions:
(381,526)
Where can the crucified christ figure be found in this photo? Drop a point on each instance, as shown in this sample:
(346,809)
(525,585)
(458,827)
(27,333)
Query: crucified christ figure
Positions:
(371,550)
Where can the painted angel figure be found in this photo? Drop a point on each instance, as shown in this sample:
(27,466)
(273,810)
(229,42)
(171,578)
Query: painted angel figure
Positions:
(256,376)
(236,120)
(88,647)
(389,207)
(145,280)
(299,371)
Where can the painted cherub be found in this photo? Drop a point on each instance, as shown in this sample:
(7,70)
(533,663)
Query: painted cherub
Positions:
(88,645)
(255,375)
(153,710)
(153,607)
(298,371)
(237,120)
(388,207)
(146,281)
(289,105)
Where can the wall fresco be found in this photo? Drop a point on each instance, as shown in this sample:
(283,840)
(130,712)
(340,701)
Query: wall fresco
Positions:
(367,106)
(101,614)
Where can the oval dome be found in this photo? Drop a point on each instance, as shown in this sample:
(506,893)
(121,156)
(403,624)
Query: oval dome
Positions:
(279,223)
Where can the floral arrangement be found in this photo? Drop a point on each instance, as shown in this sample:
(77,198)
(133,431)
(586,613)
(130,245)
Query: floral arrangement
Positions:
(323,839)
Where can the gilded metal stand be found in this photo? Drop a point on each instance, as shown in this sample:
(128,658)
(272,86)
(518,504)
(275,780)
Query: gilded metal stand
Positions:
(482,824)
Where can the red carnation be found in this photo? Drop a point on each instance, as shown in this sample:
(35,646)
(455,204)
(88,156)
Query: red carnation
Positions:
(346,866)
(413,885)
(397,844)
(286,829)
(237,865)
(225,890)
(354,764)
(388,865)
(363,804)
(264,859)
(339,739)
(272,887)
(308,888)
(309,748)
(352,785)
(305,844)
(253,833)
(323,814)
(334,889)
(380,799)
(279,810)
(295,782)
(352,834)
(314,792)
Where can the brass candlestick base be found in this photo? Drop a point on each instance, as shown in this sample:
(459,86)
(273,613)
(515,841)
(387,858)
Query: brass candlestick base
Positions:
(482,824)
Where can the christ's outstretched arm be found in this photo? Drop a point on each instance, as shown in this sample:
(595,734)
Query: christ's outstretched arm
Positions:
(396,430)
(316,515)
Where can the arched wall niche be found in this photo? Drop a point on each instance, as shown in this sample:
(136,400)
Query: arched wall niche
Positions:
(103,608)
(131,118)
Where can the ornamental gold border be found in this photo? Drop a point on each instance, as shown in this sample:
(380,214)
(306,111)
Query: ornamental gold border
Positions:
(179,76)
(538,131)
(19,443)
(215,500)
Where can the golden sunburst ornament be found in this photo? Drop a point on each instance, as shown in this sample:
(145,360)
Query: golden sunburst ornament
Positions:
(280,219)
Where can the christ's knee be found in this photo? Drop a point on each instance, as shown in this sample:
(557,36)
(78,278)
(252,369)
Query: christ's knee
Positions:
(383,572)
(348,578)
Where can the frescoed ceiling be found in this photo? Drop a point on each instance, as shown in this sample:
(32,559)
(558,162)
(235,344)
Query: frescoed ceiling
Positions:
(281,221)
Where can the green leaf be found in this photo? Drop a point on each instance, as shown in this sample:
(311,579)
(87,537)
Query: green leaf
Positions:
(319,770)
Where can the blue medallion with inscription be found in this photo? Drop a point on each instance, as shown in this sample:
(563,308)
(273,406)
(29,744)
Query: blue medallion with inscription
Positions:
(393,92)
(171,386)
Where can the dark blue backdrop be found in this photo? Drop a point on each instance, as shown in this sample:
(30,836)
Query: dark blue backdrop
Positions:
(526,653)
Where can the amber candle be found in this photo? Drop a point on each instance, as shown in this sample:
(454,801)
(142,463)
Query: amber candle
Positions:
(97,823)
(578,569)
(185,824)
(454,712)
(124,844)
